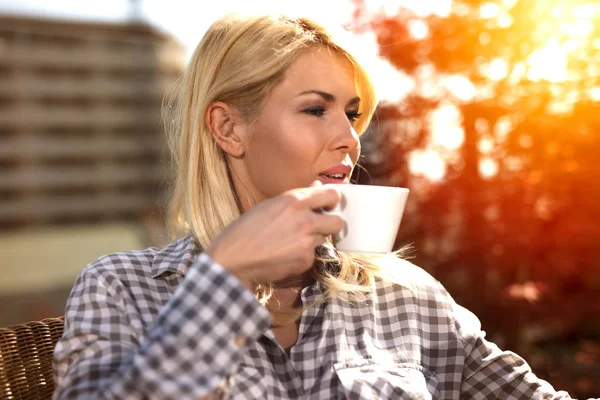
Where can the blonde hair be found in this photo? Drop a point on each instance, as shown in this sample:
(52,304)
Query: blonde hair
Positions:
(239,60)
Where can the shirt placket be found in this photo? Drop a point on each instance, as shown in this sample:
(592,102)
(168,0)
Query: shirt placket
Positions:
(284,368)
(293,367)
(298,359)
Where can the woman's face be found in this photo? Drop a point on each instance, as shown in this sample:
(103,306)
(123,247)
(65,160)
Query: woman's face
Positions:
(304,131)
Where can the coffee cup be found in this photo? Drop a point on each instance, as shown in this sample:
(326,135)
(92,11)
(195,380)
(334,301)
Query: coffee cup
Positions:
(371,216)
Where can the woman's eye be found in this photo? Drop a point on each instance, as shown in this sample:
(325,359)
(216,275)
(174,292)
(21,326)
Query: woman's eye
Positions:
(317,111)
(353,115)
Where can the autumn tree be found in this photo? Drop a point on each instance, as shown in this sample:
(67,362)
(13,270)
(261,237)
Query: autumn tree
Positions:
(510,224)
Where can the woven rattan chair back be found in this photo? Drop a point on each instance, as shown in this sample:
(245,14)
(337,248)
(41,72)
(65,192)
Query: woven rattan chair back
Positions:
(26,359)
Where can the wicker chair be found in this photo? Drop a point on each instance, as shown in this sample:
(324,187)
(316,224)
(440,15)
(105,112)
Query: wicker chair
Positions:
(26,359)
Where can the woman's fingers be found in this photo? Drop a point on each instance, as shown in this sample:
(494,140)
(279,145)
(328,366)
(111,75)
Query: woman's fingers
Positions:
(326,225)
(321,197)
(319,240)
(279,235)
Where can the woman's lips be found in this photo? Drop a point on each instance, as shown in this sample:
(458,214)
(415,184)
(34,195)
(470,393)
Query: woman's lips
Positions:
(326,179)
(339,173)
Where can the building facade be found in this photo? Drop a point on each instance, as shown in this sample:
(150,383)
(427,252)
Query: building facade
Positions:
(80,131)
(81,151)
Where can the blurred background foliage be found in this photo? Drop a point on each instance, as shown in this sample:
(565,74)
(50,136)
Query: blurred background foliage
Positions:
(504,205)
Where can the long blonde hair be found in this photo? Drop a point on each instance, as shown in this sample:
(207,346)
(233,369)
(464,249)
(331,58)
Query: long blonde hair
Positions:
(239,60)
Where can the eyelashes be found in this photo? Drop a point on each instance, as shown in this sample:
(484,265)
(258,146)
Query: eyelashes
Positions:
(353,115)
(320,111)
(316,111)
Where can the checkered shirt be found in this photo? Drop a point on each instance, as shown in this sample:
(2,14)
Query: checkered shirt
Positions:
(171,323)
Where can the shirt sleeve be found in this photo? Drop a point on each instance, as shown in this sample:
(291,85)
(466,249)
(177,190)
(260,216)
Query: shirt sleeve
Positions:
(490,373)
(186,353)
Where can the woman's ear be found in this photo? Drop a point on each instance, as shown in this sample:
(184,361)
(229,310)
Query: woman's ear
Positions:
(227,127)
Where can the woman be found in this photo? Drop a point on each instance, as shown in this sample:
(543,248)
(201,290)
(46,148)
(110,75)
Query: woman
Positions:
(243,306)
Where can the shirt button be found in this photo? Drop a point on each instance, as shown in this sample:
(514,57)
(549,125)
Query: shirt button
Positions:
(240,341)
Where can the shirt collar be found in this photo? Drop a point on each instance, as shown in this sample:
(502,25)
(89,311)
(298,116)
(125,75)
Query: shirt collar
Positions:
(175,257)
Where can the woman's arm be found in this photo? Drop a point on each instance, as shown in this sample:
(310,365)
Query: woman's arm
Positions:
(490,373)
(186,353)
(190,347)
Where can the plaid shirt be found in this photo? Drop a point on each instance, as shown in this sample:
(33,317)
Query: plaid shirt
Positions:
(173,324)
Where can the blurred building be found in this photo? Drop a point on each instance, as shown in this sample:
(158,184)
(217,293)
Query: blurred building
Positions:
(80,119)
(80,142)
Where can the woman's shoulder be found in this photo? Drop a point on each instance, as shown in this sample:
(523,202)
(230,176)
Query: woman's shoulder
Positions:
(399,271)
(150,262)
(401,278)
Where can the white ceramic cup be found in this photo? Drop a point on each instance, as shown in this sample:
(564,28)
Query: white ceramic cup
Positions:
(371,215)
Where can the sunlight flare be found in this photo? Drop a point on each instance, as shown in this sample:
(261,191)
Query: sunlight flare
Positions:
(446,127)
(548,63)
(496,70)
(488,168)
(428,163)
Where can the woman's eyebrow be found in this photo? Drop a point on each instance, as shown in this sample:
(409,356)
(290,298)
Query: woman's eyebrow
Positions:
(354,100)
(328,97)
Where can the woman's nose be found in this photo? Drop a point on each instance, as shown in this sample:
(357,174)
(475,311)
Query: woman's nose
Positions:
(346,138)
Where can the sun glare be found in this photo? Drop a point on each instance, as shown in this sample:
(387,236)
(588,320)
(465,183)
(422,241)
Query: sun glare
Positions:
(496,70)
(428,163)
(489,10)
(419,7)
(561,31)
(548,63)
(562,28)
(446,128)
(460,87)
(485,145)
(418,29)
(579,29)
(488,168)
(504,21)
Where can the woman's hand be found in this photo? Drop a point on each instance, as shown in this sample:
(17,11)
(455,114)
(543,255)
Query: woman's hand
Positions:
(277,238)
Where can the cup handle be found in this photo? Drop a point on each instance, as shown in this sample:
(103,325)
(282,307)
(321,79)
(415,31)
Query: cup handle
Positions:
(337,210)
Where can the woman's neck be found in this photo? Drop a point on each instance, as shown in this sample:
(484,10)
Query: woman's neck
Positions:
(294,282)
(287,292)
